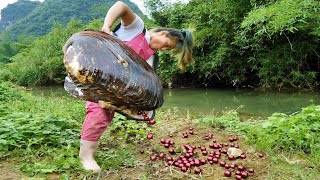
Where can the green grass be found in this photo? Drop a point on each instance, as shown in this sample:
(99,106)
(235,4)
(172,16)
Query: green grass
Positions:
(41,133)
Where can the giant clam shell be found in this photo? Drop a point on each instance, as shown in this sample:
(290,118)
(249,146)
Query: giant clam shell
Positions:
(100,67)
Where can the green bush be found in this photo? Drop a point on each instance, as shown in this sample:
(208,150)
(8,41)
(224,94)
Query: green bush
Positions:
(281,41)
(297,132)
(42,63)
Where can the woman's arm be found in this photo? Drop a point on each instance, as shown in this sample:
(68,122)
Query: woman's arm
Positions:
(118,10)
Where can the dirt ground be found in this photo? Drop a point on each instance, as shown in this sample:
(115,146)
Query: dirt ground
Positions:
(172,130)
(155,170)
(8,173)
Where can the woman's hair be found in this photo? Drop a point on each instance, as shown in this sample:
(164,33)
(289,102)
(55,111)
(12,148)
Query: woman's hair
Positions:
(184,45)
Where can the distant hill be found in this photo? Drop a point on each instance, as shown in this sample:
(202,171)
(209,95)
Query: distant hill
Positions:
(35,18)
(16,11)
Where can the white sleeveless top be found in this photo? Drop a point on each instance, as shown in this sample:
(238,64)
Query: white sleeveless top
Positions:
(127,33)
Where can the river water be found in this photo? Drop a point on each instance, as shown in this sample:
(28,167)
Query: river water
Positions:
(208,101)
(211,101)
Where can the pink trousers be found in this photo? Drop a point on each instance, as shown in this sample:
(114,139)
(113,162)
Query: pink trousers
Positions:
(96,121)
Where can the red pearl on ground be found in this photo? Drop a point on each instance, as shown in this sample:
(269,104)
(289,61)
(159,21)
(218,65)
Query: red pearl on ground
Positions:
(240,168)
(222,163)
(150,136)
(227,173)
(152,122)
(153,158)
(260,155)
(197,171)
(243,156)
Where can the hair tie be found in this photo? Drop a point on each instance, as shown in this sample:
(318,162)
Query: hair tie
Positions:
(183,32)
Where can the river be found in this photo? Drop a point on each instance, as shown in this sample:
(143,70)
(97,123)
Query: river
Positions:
(207,101)
(210,101)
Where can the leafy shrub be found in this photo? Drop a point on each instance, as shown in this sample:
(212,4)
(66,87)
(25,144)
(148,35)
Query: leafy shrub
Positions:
(297,132)
(129,130)
(280,40)
(42,63)
(7,92)
(5,75)
(44,138)
(23,130)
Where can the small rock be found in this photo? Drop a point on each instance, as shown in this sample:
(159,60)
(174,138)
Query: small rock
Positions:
(236,152)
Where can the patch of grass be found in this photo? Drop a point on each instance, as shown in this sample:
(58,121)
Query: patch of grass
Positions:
(122,156)
(129,131)
(41,133)
(59,104)
(227,120)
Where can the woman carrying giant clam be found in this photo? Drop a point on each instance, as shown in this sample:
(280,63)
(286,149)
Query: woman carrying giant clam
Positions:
(144,43)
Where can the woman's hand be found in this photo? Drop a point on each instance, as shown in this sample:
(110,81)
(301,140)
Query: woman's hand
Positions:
(107,105)
(106,29)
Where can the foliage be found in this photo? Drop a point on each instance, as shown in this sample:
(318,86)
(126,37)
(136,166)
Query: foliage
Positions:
(5,92)
(214,24)
(26,19)
(261,43)
(39,138)
(273,44)
(266,43)
(42,62)
(44,138)
(9,48)
(23,130)
(157,9)
(6,48)
(129,130)
(282,40)
(5,74)
(165,70)
(296,132)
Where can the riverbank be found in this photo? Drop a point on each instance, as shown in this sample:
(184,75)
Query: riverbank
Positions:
(40,138)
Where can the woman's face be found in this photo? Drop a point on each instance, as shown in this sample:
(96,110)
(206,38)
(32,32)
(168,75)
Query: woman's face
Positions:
(159,41)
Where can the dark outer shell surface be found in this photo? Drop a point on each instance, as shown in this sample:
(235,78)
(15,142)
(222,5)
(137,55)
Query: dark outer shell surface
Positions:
(101,67)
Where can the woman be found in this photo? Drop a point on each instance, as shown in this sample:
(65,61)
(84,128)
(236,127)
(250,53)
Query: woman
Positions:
(133,33)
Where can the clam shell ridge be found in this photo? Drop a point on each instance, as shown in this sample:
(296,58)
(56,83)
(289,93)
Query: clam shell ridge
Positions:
(101,67)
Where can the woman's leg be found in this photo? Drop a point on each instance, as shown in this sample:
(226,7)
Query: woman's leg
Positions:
(95,123)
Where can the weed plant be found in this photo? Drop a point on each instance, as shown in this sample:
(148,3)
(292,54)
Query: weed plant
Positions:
(41,133)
